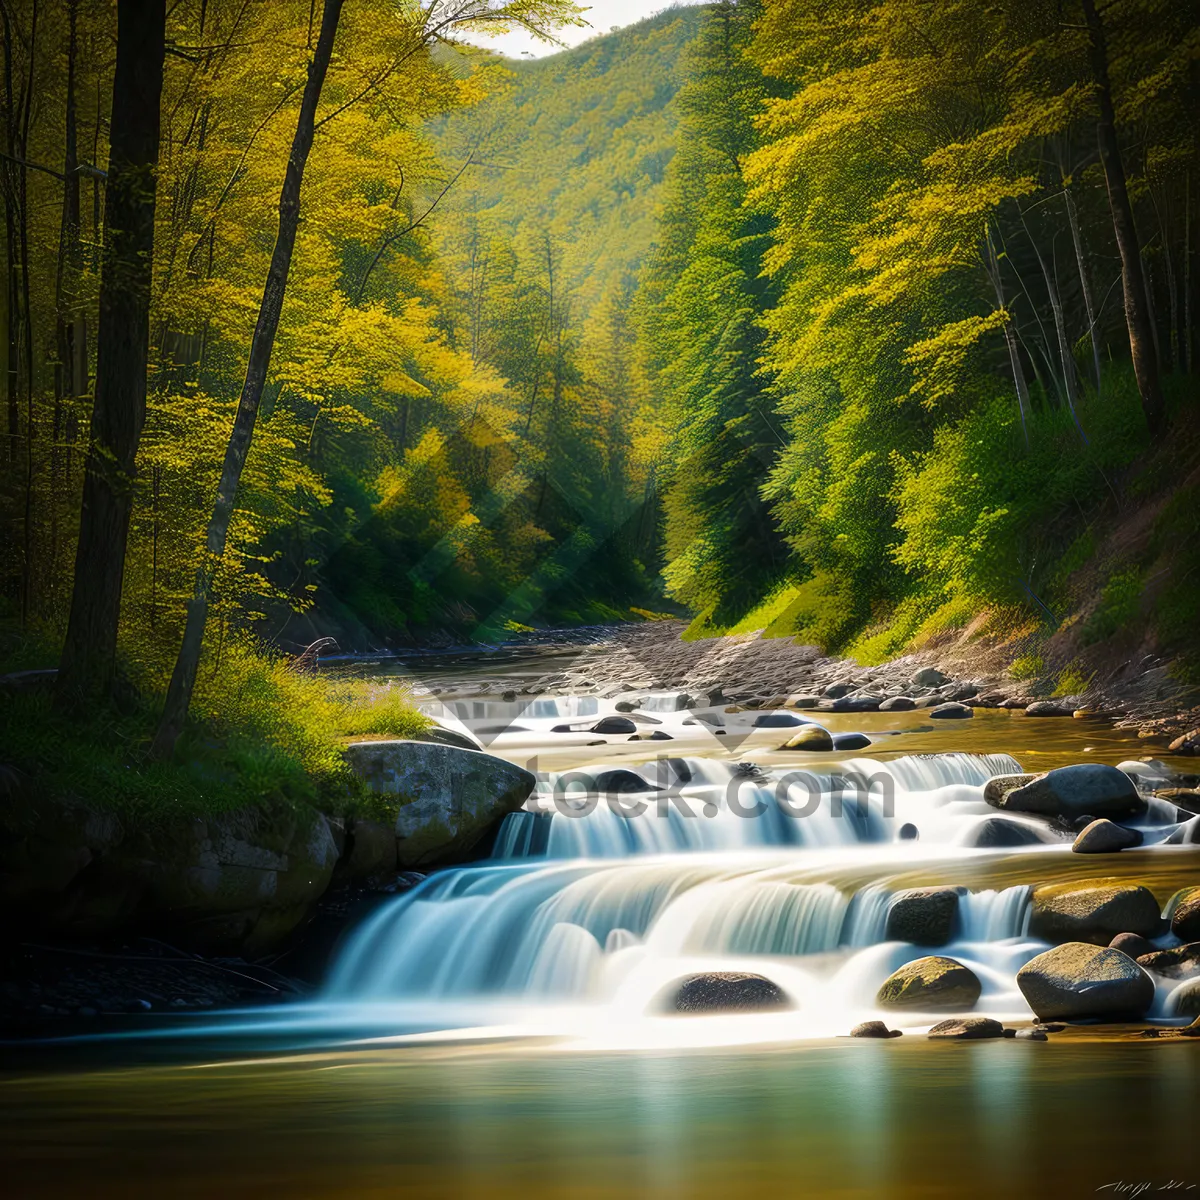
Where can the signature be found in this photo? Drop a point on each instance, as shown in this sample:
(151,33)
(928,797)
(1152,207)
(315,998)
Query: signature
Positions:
(1121,1188)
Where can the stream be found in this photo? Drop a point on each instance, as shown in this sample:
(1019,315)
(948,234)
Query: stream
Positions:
(500,1028)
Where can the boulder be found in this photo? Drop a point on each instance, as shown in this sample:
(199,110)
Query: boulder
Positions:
(925,916)
(725,991)
(1180,962)
(850,741)
(809,737)
(1031,1035)
(1078,980)
(928,984)
(449,798)
(908,832)
(1049,708)
(997,832)
(368,852)
(897,704)
(999,786)
(614,724)
(804,702)
(1132,944)
(1185,914)
(874,1029)
(1083,912)
(1069,792)
(967,1028)
(835,691)
(929,677)
(1103,836)
(450,737)
(856,703)
(951,712)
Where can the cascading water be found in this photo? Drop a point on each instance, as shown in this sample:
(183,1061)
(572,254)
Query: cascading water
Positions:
(622,876)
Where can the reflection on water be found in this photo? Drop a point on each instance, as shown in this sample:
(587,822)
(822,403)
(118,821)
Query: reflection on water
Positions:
(849,1119)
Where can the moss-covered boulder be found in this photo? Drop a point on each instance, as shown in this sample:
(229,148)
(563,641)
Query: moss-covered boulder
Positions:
(1081,980)
(449,798)
(930,984)
(1083,912)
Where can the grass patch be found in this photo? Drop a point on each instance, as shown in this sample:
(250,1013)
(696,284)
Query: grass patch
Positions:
(1026,666)
(1071,681)
(259,732)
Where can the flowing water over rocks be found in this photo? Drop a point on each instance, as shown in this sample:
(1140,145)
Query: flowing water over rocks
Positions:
(680,882)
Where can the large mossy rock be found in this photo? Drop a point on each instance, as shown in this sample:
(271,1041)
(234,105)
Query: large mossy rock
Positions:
(725,991)
(1092,912)
(1079,980)
(1093,789)
(930,984)
(924,916)
(450,798)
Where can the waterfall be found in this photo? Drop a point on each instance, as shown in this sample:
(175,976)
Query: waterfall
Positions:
(683,805)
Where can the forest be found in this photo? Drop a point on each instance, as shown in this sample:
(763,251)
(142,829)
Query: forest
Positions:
(849,321)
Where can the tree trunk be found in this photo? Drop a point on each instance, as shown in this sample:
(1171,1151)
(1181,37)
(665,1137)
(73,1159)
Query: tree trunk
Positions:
(1010,337)
(1066,359)
(183,678)
(12,290)
(122,345)
(70,331)
(1085,282)
(1137,313)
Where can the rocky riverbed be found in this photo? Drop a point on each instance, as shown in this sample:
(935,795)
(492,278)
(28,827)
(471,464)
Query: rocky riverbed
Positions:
(757,672)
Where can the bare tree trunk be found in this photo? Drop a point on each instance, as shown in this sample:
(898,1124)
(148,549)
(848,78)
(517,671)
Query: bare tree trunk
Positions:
(26,304)
(12,383)
(183,678)
(1185,346)
(122,345)
(1070,382)
(1085,282)
(1137,315)
(1010,337)
(70,330)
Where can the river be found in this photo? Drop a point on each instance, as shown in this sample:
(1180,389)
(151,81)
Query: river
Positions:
(500,1029)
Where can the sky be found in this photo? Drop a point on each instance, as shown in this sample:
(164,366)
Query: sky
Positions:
(601,16)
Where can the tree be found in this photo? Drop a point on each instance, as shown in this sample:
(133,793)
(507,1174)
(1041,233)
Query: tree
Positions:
(183,679)
(89,653)
(433,24)
(1137,315)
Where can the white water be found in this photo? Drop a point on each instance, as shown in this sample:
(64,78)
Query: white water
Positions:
(625,874)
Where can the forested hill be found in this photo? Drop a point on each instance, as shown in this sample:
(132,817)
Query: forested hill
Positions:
(575,147)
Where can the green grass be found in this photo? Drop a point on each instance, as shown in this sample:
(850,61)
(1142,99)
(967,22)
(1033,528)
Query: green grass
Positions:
(258,733)
(1120,604)
(1026,666)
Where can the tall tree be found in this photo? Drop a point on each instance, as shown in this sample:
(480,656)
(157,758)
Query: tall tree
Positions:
(183,678)
(89,652)
(1133,278)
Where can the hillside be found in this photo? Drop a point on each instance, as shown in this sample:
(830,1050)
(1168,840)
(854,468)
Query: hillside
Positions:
(576,145)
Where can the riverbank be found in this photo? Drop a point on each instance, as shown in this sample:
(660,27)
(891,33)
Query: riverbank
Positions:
(969,666)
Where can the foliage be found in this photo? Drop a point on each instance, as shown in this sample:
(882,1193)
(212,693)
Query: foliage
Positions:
(1027,666)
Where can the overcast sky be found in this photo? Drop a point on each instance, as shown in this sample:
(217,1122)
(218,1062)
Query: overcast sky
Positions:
(601,16)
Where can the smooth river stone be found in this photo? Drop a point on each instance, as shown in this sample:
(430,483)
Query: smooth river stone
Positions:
(928,984)
(1079,980)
